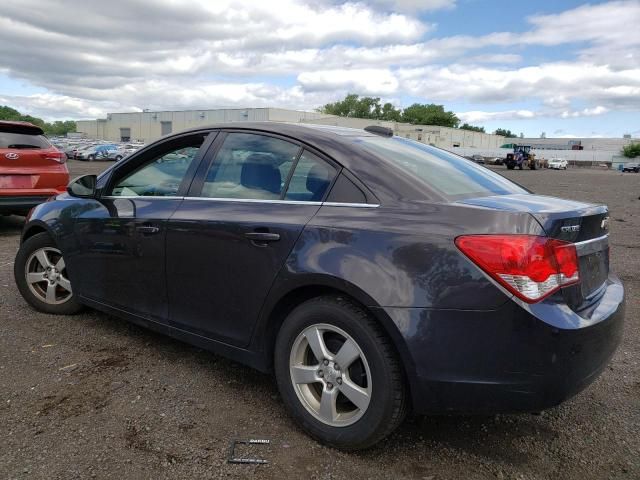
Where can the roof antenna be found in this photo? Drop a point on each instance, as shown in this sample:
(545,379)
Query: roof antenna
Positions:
(378,130)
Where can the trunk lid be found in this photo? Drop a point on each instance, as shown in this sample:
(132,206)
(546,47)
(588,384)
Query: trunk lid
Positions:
(585,224)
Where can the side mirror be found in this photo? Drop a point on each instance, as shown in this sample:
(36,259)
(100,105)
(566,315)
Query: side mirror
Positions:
(83,187)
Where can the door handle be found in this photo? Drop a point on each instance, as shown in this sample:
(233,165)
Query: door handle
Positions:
(147,229)
(262,237)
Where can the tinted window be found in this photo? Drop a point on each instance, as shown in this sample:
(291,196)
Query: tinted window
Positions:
(345,191)
(250,166)
(20,140)
(311,179)
(161,176)
(450,175)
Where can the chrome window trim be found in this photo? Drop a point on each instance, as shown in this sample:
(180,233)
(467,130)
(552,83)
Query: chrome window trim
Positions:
(283,202)
(243,200)
(252,200)
(145,197)
(356,205)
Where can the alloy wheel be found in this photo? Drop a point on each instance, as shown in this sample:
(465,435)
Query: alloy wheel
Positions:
(46,276)
(330,375)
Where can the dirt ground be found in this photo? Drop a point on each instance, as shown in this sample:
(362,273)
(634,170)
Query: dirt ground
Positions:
(90,396)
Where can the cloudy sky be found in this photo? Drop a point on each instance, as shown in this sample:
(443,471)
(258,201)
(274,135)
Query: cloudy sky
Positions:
(563,67)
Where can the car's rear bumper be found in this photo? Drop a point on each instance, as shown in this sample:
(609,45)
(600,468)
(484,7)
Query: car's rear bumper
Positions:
(22,201)
(509,359)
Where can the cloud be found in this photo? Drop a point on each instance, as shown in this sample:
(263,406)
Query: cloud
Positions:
(123,55)
(554,83)
(366,81)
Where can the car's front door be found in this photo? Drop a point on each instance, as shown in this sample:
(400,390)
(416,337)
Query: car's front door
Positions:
(231,235)
(120,255)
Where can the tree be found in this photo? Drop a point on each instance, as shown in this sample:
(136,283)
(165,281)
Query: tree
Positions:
(429,114)
(505,133)
(369,107)
(466,126)
(391,113)
(632,150)
(362,107)
(56,128)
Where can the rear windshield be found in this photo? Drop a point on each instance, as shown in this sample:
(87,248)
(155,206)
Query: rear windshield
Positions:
(20,140)
(450,175)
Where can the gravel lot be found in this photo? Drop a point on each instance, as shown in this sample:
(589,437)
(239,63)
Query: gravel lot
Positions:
(92,396)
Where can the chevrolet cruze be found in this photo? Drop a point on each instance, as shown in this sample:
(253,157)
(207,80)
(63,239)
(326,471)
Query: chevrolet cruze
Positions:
(369,274)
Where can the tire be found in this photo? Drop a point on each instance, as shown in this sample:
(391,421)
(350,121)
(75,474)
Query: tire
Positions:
(53,296)
(91,158)
(376,372)
(118,158)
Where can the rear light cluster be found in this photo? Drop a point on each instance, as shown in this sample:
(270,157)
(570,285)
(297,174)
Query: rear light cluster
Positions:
(529,266)
(59,157)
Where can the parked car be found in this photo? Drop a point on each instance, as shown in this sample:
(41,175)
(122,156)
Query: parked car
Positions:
(496,161)
(478,159)
(122,151)
(31,169)
(557,164)
(365,273)
(80,149)
(95,152)
(631,167)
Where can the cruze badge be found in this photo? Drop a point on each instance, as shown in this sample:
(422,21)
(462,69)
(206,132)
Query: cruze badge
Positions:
(12,156)
(605,223)
(570,228)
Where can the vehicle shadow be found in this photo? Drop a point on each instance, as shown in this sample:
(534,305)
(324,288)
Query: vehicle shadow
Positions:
(10,225)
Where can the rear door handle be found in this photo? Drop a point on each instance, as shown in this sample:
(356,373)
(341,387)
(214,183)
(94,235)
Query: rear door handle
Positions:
(147,229)
(262,237)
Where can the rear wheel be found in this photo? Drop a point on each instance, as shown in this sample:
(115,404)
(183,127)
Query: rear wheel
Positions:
(40,273)
(338,374)
(91,157)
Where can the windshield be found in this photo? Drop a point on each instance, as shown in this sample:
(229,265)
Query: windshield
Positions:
(449,175)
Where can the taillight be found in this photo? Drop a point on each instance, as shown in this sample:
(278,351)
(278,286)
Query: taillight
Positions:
(59,157)
(529,266)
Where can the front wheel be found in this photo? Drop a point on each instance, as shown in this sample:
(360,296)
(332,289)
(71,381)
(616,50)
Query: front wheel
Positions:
(338,374)
(40,273)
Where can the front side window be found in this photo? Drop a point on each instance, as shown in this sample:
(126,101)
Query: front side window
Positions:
(161,176)
(250,166)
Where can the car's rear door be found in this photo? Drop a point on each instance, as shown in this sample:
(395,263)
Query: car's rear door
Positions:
(227,241)
(120,256)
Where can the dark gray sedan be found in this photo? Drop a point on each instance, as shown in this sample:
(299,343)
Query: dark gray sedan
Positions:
(368,274)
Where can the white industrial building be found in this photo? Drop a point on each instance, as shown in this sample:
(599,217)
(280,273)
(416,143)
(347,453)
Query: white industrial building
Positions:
(149,126)
(577,143)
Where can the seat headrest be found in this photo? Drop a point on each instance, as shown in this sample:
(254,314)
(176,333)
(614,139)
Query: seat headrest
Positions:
(260,172)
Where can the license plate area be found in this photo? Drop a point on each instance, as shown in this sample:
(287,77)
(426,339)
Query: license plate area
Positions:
(594,270)
(16,181)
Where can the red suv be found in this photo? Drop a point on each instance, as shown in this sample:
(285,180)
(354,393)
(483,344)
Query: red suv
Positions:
(31,169)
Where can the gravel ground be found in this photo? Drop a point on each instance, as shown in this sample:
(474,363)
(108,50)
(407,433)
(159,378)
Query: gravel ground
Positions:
(91,396)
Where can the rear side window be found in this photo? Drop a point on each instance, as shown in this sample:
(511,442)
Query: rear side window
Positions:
(449,175)
(310,180)
(21,140)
